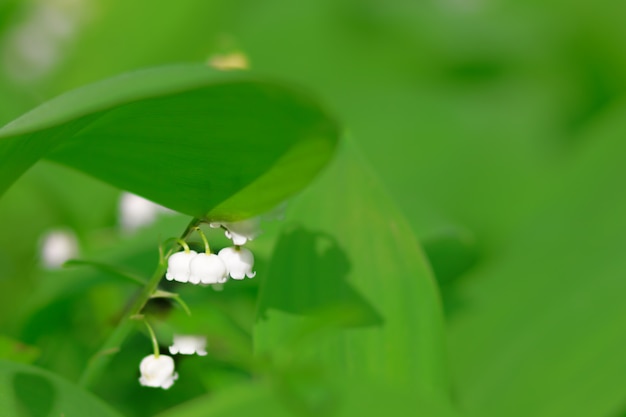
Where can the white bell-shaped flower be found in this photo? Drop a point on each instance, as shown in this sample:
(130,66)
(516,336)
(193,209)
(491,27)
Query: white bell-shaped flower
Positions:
(157,371)
(178,266)
(239,262)
(188,345)
(207,269)
(242,231)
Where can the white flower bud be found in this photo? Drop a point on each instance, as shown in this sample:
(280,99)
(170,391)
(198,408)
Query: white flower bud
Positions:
(241,232)
(188,345)
(157,371)
(239,262)
(178,266)
(207,269)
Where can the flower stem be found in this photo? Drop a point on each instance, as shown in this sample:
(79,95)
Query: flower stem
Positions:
(184,244)
(155,342)
(100,360)
(207,248)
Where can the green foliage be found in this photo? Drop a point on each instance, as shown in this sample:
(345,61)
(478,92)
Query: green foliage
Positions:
(343,399)
(345,281)
(30,392)
(163,133)
(488,133)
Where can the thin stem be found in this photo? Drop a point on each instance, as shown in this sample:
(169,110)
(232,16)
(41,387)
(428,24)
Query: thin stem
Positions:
(183,244)
(182,304)
(163,256)
(155,342)
(98,363)
(172,296)
(207,248)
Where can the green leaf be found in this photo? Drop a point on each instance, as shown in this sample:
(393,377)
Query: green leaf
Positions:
(348,286)
(108,269)
(27,391)
(203,142)
(543,334)
(7,9)
(16,351)
(345,399)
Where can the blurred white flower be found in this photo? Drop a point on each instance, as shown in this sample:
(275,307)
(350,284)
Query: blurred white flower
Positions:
(207,269)
(157,371)
(188,345)
(136,211)
(178,266)
(58,246)
(242,231)
(239,262)
(37,44)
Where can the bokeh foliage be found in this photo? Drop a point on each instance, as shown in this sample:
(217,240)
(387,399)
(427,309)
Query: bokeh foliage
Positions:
(489,132)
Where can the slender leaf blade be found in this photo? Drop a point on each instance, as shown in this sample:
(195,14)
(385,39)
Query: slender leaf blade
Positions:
(348,286)
(343,399)
(29,391)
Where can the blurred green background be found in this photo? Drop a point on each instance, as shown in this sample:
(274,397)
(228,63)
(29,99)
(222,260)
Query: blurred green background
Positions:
(493,129)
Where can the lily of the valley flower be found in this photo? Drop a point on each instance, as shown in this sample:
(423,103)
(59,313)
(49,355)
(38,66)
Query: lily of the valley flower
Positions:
(207,269)
(188,345)
(242,231)
(157,371)
(178,266)
(239,262)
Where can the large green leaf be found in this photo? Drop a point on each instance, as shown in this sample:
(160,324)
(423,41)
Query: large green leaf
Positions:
(199,141)
(27,391)
(348,286)
(543,330)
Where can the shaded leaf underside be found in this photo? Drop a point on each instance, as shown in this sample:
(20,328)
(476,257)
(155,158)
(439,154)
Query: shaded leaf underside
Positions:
(184,136)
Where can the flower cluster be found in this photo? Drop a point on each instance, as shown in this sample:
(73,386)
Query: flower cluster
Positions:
(208,268)
(205,268)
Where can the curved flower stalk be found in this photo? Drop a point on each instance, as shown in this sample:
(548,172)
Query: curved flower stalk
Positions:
(184,266)
(99,361)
